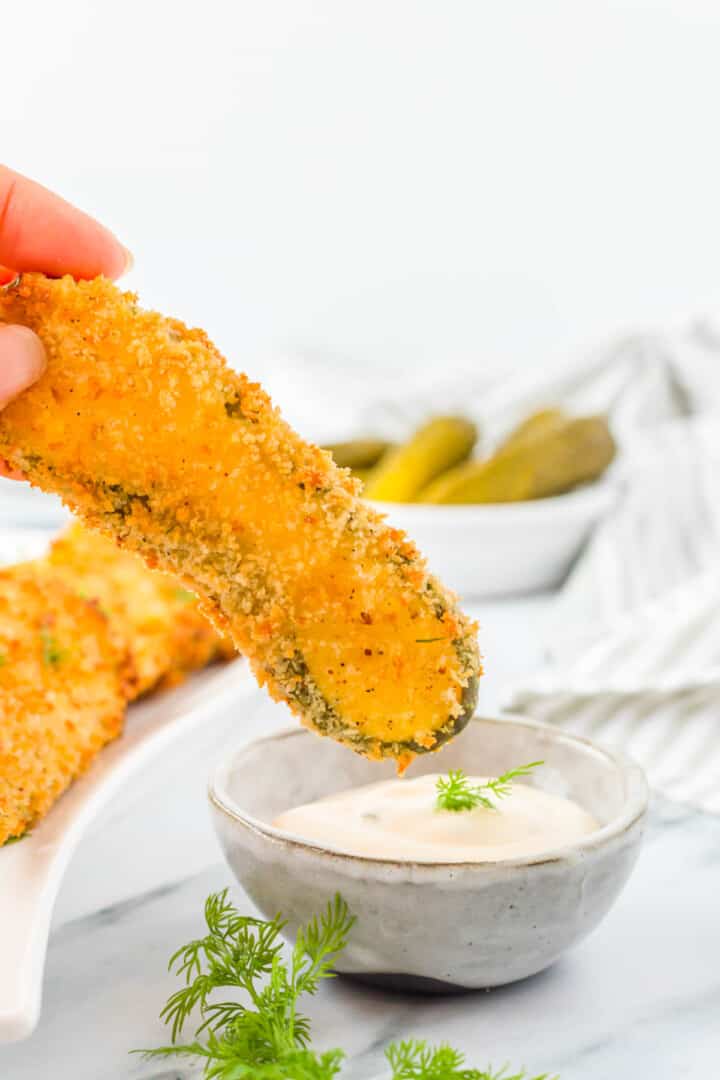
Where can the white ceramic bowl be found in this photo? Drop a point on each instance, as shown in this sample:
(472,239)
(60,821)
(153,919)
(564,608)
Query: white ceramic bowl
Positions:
(435,927)
(504,548)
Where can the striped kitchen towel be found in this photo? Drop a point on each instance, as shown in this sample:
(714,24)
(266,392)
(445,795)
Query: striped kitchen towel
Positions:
(633,643)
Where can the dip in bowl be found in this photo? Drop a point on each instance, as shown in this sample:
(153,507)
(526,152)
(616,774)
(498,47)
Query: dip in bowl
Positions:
(445,925)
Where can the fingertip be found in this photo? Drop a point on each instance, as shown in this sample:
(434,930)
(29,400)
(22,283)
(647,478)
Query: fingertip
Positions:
(22,361)
(42,232)
(110,258)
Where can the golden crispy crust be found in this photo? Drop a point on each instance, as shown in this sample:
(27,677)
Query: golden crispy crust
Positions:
(155,622)
(61,693)
(143,429)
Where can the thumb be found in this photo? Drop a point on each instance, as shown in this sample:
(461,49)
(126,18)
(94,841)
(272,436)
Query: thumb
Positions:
(22,361)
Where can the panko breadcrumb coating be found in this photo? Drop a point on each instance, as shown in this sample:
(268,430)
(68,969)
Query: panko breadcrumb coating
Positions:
(61,693)
(146,433)
(156,622)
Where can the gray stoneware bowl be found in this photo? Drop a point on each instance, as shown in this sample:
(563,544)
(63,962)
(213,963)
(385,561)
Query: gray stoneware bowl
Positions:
(440,926)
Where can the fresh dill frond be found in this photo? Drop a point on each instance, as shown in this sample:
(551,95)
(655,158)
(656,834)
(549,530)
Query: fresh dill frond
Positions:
(413,1059)
(263,1036)
(52,653)
(455,792)
(501,786)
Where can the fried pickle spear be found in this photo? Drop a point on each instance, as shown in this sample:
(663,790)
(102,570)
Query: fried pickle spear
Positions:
(156,623)
(146,433)
(61,693)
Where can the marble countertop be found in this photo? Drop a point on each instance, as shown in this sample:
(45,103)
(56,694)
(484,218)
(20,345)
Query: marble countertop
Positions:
(639,998)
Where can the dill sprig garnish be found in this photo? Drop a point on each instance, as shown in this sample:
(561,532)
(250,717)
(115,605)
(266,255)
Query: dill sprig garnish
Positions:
(413,1059)
(455,792)
(264,1037)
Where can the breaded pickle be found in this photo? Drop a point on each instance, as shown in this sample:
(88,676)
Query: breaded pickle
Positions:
(569,454)
(358,454)
(156,623)
(438,445)
(538,423)
(149,436)
(61,692)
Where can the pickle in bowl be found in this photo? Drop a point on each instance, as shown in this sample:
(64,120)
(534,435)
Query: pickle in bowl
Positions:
(537,424)
(440,444)
(358,455)
(553,462)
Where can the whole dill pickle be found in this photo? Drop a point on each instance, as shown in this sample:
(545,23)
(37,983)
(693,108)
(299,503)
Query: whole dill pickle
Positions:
(438,445)
(569,454)
(358,453)
(538,423)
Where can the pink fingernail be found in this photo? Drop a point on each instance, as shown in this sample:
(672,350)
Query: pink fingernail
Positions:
(8,278)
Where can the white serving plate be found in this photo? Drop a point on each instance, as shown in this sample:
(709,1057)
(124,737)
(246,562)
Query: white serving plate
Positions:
(32,869)
(504,548)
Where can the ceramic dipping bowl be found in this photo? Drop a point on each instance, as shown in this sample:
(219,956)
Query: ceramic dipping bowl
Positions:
(437,927)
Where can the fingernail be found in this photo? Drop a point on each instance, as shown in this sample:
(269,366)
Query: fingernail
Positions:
(129,260)
(8,277)
(22,361)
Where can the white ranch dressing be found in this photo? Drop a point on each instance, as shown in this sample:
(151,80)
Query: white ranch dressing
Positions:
(398,819)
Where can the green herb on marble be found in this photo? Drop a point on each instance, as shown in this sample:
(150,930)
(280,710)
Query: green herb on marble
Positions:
(415,1060)
(264,1037)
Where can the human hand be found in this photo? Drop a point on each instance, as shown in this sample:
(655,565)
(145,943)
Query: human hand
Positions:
(40,231)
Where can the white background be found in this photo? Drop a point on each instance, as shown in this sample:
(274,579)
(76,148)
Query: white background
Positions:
(392,182)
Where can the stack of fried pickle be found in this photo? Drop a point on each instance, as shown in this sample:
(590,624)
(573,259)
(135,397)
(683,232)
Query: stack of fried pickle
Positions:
(83,632)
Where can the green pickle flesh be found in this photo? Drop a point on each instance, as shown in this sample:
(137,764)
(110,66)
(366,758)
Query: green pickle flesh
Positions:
(437,446)
(538,423)
(358,454)
(555,461)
